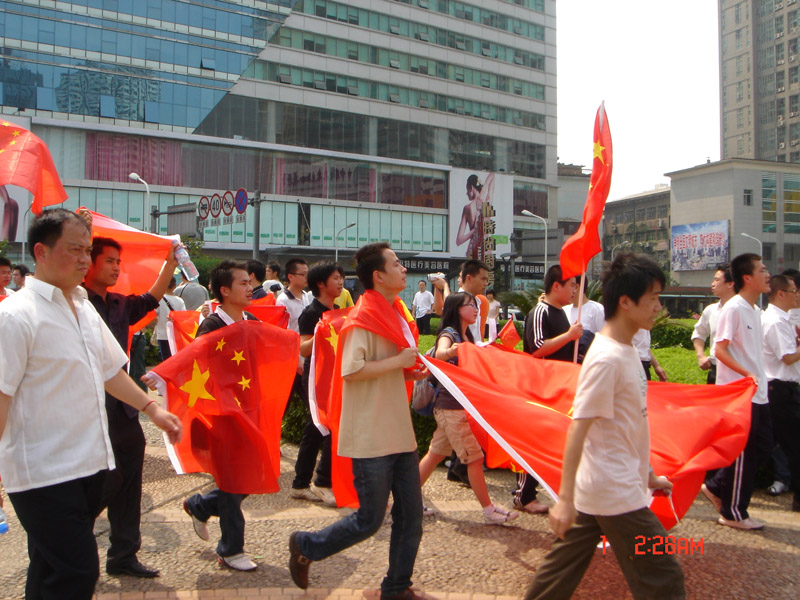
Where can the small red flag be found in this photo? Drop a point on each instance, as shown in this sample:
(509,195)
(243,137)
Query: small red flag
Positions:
(229,389)
(579,249)
(508,335)
(25,161)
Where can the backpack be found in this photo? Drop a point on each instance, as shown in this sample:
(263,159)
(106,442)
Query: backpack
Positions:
(423,395)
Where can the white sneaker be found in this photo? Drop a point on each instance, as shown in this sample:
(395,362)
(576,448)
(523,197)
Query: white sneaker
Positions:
(240,562)
(748,524)
(497,515)
(324,494)
(777,488)
(427,511)
(304,494)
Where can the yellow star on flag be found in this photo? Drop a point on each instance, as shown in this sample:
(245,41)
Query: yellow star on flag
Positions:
(333,340)
(6,123)
(598,152)
(16,132)
(237,401)
(12,142)
(194,331)
(221,344)
(196,386)
(237,356)
(245,383)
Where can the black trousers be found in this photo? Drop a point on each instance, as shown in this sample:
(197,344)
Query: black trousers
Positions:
(424,324)
(59,520)
(784,405)
(123,490)
(312,443)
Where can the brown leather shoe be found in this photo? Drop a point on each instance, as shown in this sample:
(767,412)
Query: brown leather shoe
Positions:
(407,594)
(298,564)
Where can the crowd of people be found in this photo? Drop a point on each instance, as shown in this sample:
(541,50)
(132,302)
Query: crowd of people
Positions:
(71,442)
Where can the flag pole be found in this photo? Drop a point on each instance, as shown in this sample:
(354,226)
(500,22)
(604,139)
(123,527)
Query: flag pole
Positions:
(580,309)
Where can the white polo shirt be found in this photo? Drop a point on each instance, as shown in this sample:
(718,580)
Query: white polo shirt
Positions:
(54,368)
(706,327)
(740,324)
(593,315)
(294,306)
(779,340)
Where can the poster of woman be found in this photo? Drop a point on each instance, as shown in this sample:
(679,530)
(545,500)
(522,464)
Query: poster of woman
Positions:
(9,215)
(472,196)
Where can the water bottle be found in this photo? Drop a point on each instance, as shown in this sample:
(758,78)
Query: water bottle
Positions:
(185,263)
(3,522)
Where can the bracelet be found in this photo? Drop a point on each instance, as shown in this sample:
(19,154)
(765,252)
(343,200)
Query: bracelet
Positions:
(144,408)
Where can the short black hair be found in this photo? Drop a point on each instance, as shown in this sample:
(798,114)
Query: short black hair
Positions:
(369,259)
(554,275)
(778,283)
(726,272)
(320,272)
(172,283)
(101,243)
(222,276)
(47,228)
(490,291)
(291,265)
(257,269)
(275,267)
(794,274)
(4,262)
(23,269)
(742,265)
(630,275)
(473,268)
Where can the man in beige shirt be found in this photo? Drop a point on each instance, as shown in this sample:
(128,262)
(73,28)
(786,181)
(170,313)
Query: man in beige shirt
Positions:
(375,431)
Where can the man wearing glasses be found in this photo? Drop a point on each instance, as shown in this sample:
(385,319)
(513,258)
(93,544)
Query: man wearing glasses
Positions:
(781,357)
(293,296)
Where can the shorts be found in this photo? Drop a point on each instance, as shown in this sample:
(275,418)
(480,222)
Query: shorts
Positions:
(453,433)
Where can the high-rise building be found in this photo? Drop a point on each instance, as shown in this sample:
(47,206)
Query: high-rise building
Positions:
(334,111)
(760,79)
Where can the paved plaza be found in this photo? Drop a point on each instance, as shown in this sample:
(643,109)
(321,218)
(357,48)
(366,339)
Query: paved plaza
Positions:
(460,557)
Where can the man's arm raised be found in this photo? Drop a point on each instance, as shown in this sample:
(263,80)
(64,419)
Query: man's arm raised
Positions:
(161,284)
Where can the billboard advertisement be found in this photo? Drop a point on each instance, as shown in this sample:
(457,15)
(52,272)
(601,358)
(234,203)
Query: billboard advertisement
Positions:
(481,215)
(14,202)
(699,246)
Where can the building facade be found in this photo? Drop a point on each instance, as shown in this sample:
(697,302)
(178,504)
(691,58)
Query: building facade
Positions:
(332,112)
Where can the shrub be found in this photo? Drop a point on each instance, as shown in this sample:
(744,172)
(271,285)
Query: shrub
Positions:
(669,333)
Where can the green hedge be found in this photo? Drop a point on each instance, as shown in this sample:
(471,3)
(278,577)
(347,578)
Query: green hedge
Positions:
(671,334)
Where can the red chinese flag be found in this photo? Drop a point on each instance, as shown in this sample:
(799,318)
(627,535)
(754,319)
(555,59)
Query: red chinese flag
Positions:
(184,323)
(508,335)
(25,161)
(323,360)
(579,249)
(520,408)
(391,321)
(229,388)
(268,300)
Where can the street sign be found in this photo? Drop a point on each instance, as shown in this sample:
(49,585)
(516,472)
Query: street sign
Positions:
(241,201)
(227,204)
(216,205)
(202,207)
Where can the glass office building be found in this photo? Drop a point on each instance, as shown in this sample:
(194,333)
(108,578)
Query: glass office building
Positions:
(334,111)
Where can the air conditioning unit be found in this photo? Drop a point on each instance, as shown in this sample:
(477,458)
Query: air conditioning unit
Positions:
(779,35)
(793,114)
(781,89)
(780,61)
(782,145)
(660,222)
(791,59)
(795,142)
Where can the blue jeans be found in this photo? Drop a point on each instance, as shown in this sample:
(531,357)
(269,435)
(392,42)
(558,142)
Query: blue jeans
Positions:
(228,507)
(374,478)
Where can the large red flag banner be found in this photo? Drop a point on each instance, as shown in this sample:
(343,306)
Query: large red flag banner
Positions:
(391,321)
(229,388)
(183,324)
(25,161)
(520,409)
(579,249)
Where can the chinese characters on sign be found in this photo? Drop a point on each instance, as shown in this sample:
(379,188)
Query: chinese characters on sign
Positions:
(699,246)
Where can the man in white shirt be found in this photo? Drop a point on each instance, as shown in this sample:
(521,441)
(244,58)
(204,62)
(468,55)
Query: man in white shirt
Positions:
(738,341)
(706,326)
(593,317)
(59,358)
(5,277)
(781,357)
(293,297)
(422,307)
(606,475)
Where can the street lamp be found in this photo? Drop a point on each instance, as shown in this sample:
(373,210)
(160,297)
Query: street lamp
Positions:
(620,245)
(528,213)
(336,241)
(137,177)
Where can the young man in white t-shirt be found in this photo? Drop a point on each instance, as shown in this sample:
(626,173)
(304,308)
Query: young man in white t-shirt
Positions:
(737,347)
(606,472)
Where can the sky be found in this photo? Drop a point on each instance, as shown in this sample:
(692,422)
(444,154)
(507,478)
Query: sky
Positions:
(656,66)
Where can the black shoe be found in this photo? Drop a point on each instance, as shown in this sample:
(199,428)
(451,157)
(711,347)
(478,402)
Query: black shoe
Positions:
(134,569)
(298,564)
(407,594)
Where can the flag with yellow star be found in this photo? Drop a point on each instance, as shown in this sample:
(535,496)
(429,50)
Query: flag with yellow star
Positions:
(579,249)
(25,161)
(229,388)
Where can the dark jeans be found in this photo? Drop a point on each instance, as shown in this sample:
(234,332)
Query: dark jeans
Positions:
(711,378)
(311,444)
(228,507)
(374,479)
(424,324)
(649,576)
(61,545)
(784,404)
(137,366)
(123,487)
(163,348)
(526,491)
(734,484)
(646,367)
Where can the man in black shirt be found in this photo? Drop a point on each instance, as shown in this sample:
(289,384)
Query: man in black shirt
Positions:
(326,280)
(548,334)
(124,484)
